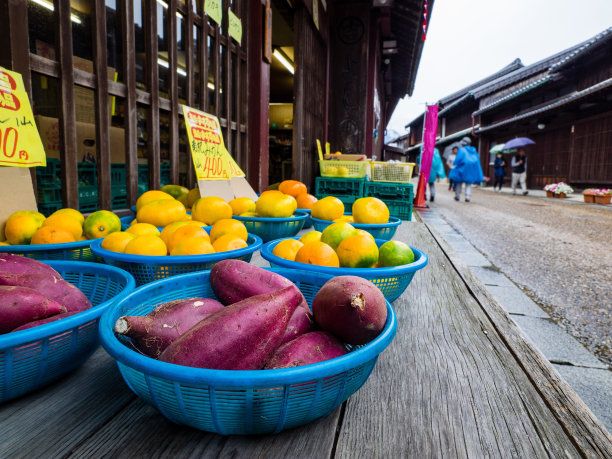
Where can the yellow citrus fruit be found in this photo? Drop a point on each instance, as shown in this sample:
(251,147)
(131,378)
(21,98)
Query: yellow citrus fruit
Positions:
(184,232)
(357,251)
(19,213)
(65,222)
(228,242)
(317,253)
(168,230)
(242,205)
(270,191)
(328,208)
(250,214)
(370,210)
(150,196)
(133,222)
(331,171)
(116,242)
(310,236)
(52,235)
(193,196)
(71,212)
(305,201)
(19,229)
(162,212)
(101,223)
(193,245)
(292,187)
(187,218)
(287,249)
(210,209)
(178,192)
(140,229)
(335,233)
(345,218)
(228,226)
(4,243)
(275,205)
(343,171)
(395,253)
(146,245)
(365,233)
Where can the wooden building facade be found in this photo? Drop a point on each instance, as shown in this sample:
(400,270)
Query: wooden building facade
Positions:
(107,80)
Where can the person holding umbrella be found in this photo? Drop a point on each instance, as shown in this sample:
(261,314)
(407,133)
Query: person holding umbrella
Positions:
(519,162)
(466,169)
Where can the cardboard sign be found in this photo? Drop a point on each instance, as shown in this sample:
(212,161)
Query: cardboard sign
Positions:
(214,10)
(235,26)
(16,193)
(20,144)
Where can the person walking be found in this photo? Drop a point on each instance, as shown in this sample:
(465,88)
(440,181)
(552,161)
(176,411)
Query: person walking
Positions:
(449,162)
(519,171)
(500,171)
(436,172)
(466,169)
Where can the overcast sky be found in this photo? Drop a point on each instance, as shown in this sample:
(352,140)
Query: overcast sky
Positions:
(468,40)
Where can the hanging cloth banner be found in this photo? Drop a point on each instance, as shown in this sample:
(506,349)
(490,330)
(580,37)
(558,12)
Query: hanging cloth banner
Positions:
(430,130)
(20,144)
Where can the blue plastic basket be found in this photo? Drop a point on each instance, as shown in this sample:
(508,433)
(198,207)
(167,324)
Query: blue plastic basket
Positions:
(308,221)
(125,222)
(34,357)
(384,231)
(69,251)
(391,281)
(269,229)
(133,209)
(238,402)
(148,268)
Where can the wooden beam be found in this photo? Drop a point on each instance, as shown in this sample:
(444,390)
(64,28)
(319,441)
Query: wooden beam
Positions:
(190,99)
(152,79)
(173,140)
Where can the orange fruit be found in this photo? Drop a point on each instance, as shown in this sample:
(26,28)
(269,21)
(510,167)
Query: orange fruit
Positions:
(146,245)
(101,223)
(249,214)
(317,253)
(228,226)
(193,245)
(228,242)
(71,212)
(292,187)
(370,210)
(184,232)
(271,192)
(395,253)
(133,222)
(65,222)
(310,236)
(287,249)
(140,229)
(19,213)
(275,205)
(116,242)
(166,233)
(161,212)
(345,218)
(328,208)
(20,228)
(305,201)
(4,243)
(242,205)
(150,196)
(193,196)
(365,233)
(211,209)
(52,235)
(358,251)
(335,233)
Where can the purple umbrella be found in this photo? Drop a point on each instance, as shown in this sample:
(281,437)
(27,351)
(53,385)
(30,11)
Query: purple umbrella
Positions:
(519,142)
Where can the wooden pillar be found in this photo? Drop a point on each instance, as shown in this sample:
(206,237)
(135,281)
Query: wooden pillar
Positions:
(152,71)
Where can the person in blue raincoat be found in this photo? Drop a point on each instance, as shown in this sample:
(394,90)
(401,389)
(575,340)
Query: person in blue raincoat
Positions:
(466,170)
(436,172)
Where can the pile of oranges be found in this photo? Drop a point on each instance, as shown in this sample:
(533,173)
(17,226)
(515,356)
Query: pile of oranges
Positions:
(364,210)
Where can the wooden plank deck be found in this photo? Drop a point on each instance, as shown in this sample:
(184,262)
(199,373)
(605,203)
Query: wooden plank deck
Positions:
(459,380)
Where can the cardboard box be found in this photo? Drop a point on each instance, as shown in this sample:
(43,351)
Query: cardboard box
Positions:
(86,140)
(345,157)
(16,193)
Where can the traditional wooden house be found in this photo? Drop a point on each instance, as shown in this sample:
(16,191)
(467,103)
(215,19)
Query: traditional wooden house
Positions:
(107,81)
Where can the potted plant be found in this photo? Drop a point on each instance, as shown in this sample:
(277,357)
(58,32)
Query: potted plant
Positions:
(600,195)
(550,190)
(562,190)
(589,195)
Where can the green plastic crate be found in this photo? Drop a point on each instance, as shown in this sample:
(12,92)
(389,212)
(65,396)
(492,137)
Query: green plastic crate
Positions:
(389,190)
(347,200)
(49,207)
(327,186)
(400,208)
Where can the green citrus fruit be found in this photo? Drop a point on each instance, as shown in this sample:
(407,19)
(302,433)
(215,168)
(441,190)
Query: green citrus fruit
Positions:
(395,253)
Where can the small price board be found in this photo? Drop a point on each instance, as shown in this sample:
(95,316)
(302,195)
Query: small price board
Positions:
(235,26)
(20,144)
(214,10)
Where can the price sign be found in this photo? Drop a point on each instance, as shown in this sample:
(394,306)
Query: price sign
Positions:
(20,144)
(213,9)
(235,26)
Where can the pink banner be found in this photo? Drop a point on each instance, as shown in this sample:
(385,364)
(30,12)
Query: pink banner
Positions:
(430,130)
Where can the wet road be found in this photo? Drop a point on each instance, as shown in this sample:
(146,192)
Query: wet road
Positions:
(558,252)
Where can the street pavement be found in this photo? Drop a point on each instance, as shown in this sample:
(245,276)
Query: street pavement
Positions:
(590,377)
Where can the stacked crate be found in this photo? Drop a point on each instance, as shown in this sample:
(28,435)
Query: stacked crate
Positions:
(397,196)
(348,190)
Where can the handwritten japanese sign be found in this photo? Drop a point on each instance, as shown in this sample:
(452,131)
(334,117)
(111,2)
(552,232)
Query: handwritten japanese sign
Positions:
(211,159)
(235,26)
(214,10)
(20,144)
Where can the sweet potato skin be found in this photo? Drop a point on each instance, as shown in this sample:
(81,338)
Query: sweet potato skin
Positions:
(153,333)
(53,287)
(308,348)
(16,264)
(242,336)
(301,322)
(36,323)
(20,305)
(236,280)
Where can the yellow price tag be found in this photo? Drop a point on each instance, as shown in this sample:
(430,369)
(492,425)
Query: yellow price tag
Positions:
(213,9)
(20,144)
(235,26)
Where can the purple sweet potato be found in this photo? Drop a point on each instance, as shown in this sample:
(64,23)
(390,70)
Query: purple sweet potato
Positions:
(154,332)
(309,348)
(242,336)
(350,307)
(16,264)
(300,322)
(20,305)
(53,287)
(236,280)
(36,323)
